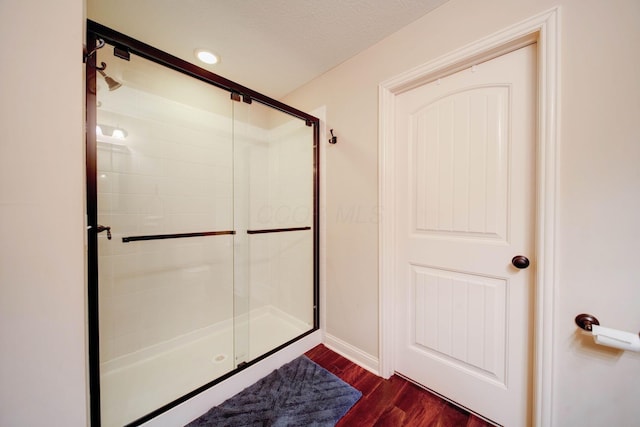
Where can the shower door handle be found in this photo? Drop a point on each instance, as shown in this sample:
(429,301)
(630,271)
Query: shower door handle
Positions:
(101,228)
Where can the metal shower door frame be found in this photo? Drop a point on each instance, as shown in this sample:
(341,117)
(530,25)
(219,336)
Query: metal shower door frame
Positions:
(126,45)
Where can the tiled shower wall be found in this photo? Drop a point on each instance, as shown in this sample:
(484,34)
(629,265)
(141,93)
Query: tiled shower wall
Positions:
(175,174)
(281,264)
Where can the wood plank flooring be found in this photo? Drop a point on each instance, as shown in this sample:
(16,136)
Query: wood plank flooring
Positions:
(390,403)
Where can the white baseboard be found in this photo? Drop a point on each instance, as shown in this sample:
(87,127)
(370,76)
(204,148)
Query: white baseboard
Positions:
(198,405)
(357,356)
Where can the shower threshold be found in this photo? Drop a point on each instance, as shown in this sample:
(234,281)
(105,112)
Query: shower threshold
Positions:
(137,384)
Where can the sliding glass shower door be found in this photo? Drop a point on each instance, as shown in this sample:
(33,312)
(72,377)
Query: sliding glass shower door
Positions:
(274,241)
(205,229)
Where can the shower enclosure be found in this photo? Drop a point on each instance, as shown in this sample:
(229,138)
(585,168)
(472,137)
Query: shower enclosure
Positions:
(203,228)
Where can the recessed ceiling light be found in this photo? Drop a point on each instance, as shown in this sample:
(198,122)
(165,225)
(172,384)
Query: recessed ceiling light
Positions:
(206,56)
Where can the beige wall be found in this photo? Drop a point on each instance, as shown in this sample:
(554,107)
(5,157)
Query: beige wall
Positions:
(42,317)
(598,186)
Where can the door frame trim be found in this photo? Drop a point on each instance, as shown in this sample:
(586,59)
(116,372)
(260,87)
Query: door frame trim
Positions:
(544,30)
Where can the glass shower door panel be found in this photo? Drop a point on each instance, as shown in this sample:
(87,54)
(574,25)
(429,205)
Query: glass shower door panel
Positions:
(276,151)
(165,189)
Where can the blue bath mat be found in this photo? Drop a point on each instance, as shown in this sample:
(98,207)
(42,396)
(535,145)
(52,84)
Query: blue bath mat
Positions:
(300,393)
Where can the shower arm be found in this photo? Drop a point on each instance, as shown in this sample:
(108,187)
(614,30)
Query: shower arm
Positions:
(85,56)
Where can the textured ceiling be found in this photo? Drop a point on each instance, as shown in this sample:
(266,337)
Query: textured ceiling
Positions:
(271,46)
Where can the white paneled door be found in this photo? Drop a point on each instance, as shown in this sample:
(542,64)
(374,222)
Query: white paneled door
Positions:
(465,196)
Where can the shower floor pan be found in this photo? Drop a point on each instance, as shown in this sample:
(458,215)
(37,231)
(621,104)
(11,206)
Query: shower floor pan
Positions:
(137,384)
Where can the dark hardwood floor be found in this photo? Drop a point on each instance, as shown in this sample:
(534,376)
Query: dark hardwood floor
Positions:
(394,402)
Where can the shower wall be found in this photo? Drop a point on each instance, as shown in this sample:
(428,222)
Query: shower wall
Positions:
(176,174)
(210,261)
(282,263)
(173,175)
